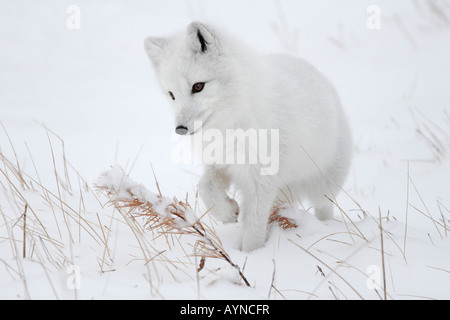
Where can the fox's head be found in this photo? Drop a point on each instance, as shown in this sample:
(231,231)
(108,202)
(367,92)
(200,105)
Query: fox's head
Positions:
(194,73)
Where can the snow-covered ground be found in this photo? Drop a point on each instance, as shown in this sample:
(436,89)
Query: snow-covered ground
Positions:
(74,102)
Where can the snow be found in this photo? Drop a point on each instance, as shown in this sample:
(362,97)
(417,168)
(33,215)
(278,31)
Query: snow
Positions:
(85,100)
(118,182)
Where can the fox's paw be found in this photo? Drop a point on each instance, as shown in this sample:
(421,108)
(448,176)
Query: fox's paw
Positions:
(226,212)
(234,212)
(251,242)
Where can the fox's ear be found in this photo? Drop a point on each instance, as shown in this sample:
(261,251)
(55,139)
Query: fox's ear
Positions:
(201,38)
(154,48)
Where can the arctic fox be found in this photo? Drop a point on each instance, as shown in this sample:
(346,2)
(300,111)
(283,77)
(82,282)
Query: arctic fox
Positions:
(212,78)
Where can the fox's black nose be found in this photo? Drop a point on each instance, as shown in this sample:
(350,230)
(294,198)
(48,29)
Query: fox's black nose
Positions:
(181,130)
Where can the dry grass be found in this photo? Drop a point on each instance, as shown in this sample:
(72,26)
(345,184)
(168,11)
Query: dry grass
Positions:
(287,35)
(276,218)
(435,136)
(167,217)
(42,222)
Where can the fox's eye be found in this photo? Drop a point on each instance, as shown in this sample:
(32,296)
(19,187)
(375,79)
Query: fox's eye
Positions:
(171,95)
(198,87)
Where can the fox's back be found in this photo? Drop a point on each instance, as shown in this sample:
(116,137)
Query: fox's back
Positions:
(299,79)
(307,109)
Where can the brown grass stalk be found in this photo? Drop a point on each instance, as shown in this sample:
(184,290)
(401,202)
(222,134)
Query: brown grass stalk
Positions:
(166,216)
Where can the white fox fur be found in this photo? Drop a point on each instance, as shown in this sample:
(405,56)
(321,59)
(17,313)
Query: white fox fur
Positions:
(247,90)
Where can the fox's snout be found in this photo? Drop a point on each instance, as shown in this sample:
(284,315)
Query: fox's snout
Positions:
(188,126)
(182,130)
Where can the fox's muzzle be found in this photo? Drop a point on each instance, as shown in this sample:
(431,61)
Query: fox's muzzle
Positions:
(182,130)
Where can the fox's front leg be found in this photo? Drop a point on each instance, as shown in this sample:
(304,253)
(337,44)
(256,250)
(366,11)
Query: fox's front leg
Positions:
(256,207)
(212,188)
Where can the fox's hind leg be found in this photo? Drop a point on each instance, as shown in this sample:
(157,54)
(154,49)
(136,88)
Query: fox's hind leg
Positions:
(321,193)
(212,188)
(324,210)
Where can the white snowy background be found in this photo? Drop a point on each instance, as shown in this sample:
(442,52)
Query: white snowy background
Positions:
(75,102)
